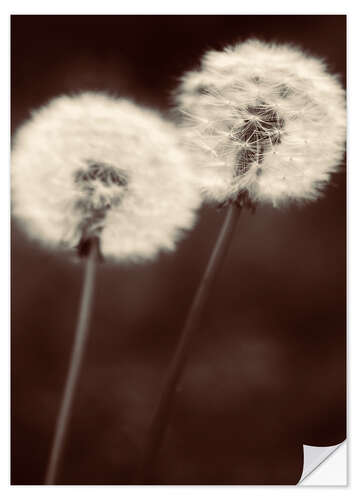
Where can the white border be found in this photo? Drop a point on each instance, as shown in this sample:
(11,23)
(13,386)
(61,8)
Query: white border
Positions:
(179,7)
(155,7)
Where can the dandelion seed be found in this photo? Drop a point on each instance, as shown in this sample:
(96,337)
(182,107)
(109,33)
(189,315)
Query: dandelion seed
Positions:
(282,116)
(93,166)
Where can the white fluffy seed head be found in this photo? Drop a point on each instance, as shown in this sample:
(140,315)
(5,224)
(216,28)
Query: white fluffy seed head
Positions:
(265,120)
(91,165)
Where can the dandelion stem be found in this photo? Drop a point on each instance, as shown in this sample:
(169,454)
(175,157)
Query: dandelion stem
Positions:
(80,340)
(170,384)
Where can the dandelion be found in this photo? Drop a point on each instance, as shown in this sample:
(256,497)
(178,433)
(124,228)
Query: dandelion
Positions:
(93,166)
(99,175)
(266,123)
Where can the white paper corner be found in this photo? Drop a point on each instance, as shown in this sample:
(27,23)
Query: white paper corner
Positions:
(325,465)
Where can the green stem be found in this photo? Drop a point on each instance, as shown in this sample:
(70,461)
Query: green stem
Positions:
(162,412)
(80,340)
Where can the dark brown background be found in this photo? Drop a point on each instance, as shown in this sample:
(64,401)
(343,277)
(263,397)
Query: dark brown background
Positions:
(266,371)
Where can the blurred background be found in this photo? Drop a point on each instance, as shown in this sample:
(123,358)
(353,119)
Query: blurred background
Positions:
(266,370)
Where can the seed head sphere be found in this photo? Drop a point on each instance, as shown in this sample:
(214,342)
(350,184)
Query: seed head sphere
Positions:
(263,120)
(92,165)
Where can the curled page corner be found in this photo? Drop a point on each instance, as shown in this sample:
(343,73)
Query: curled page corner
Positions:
(314,456)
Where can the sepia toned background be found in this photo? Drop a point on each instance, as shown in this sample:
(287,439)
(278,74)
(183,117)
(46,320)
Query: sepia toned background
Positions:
(266,370)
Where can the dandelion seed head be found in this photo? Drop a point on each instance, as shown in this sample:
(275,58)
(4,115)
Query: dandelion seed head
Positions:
(93,166)
(263,119)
